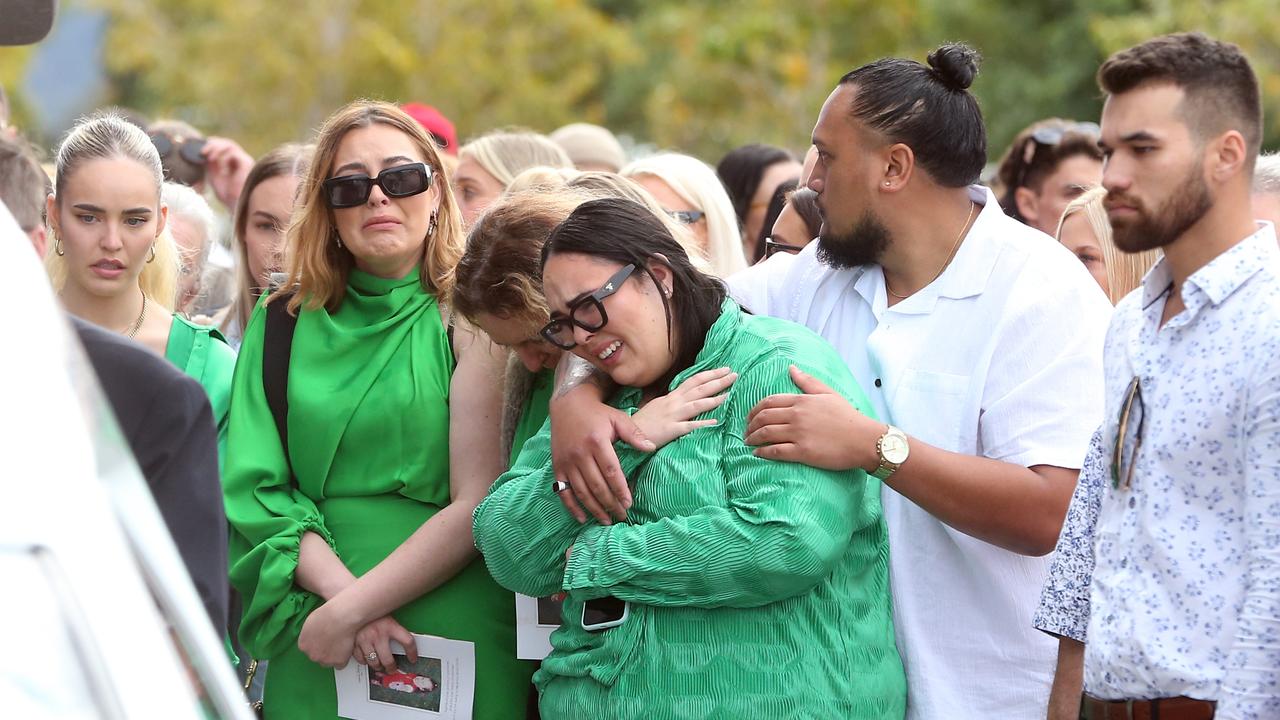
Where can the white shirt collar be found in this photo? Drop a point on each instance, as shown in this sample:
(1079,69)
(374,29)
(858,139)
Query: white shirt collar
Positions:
(965,276)
(1221,276)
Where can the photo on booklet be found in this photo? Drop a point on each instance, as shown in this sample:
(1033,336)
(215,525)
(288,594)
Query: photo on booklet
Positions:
(536,619)
(439,685)
(549,609)
(415,685)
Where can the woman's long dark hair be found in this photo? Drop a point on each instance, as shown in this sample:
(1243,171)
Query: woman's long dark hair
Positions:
(626,232)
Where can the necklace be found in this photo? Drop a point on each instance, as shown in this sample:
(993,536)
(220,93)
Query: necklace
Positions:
(137,324)
(954,247)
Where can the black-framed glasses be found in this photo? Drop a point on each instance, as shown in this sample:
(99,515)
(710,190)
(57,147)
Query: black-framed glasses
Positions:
(772,246)
(398,182)
(1049,136)
(190,149)
(587,312)
(1128,436)
(686,217)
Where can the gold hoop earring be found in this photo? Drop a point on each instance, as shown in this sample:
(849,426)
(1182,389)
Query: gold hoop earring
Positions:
(152,257)
(57,246)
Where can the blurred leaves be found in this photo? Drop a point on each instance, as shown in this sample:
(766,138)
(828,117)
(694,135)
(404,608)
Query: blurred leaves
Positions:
(701,77)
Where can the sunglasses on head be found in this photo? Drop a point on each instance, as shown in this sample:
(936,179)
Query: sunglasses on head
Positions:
(686,217)
(397,182)
(189,149)
(587,312)
(1049,136)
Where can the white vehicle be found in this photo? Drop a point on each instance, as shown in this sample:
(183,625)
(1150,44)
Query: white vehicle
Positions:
(98,617)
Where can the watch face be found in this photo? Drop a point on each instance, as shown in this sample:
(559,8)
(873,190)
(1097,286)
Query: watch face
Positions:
(894,448)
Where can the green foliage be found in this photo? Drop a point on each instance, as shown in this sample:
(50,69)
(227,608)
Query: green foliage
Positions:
(701,77)
(1254,25)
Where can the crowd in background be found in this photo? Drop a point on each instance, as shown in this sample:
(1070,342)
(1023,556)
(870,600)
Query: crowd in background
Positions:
(813,418)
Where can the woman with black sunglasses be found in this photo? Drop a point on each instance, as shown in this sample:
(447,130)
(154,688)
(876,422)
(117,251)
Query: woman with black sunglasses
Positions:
(390,434)
(733,586)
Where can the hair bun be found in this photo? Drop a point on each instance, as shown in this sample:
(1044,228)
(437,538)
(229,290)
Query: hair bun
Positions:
(956,65)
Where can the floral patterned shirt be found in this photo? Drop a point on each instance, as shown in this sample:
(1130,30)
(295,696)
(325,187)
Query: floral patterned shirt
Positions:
(1174,579)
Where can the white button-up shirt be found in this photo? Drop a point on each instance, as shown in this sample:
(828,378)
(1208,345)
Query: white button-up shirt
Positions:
(999,357)
(1174,581)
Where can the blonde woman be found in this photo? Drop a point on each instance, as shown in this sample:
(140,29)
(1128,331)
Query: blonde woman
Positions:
(689,190)
(1085,230)
(498,282)
(112,260)
(390,436)
(262,216)
(488,164)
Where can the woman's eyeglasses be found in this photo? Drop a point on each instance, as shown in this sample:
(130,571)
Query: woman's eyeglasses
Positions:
(587,312)
(1128,436)
(772,246)
(1050,136)
(190,149)
(686,217)
(397,182)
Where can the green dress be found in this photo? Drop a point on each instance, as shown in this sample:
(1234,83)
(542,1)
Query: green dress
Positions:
(369,440)
(202,353)
(533,413)
(756,588)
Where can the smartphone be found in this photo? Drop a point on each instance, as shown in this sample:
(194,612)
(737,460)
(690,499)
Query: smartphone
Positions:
(603,613)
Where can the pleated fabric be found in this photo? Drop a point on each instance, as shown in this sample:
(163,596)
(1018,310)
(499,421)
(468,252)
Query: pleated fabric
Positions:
(756,588)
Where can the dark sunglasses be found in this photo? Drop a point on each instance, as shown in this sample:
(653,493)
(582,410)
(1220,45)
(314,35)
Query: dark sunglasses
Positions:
(397,182)
(686,217)
(1128,436)
(587,312)
(772,246)
(189,149)
(1050,136)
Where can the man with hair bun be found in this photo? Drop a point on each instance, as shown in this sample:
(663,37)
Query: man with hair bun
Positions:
(979,344)
(1168,567)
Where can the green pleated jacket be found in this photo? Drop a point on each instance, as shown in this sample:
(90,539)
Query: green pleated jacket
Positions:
(369,445)
(757,589)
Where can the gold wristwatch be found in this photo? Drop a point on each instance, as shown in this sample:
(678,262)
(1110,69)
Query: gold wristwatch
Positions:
(893,449)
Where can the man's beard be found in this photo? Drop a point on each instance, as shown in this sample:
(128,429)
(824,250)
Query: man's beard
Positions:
(862,245)
(1150,230)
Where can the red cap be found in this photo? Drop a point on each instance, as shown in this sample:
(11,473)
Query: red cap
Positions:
(435,123)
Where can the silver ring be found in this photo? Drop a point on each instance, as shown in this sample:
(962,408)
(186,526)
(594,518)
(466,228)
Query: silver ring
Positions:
(371,657)
(559,486)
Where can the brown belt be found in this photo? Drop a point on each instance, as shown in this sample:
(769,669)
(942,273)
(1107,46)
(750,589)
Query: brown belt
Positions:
(1175,708)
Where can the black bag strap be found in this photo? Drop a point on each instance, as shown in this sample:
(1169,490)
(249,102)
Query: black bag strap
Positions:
(277,345)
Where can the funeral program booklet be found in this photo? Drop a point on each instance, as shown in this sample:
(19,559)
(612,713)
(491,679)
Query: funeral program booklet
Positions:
(440,685)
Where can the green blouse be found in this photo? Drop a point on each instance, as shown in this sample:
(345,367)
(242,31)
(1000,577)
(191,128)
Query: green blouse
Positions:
(202,353)
(756,588)
(369,443)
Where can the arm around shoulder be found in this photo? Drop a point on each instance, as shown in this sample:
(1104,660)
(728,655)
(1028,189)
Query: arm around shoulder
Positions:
(782,529)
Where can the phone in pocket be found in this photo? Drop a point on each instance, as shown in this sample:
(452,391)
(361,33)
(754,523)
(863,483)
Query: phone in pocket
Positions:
(603,613)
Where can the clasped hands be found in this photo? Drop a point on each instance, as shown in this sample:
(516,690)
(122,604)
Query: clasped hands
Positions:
(332,636)
(818,427)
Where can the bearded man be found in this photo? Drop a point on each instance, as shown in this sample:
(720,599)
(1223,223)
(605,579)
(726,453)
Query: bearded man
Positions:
(1168,568)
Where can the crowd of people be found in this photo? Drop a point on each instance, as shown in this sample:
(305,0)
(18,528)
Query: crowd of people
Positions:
(867,431)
